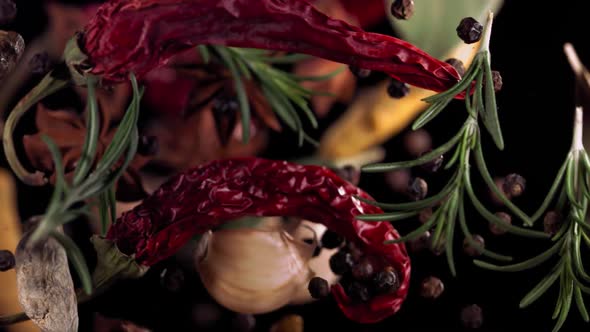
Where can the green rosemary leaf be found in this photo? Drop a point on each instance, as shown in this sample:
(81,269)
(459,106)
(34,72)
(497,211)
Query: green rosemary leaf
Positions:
(436,241)
(204,51)
(462,85)
(392,216)
(572,275)
(430,113)
(91,139)
(285,104)
(570,186)
(524,265)
(382,167)
(418,231)
(490,115)
(60,182)
(559,302)
(287,59)
(112,202)
(240,62)
(450,235)
(551,194)
(240,91)
(319,77)
(77,260)
(473,243)
(454,158)
(580,304)
(103,212)
(567,302)
(278,107)
(485,174)
(541,287)
(577,256)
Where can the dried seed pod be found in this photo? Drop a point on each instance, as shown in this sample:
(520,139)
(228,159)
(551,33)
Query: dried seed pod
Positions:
(417,142)
(402,9)
(386,281)
(397,89)
(318,288)
(514,185)
(418,189)
(359,72)
(398,180)
(364,270)
(341,262)
(431,288)
(497,230)
(474,250)
(12,46)
(45,287)
(40,63)
(469,30)
(6,260)
(147,145)
(421,242)
(552,222)
(7,11)
(472,317)
(331,240)
(457,64)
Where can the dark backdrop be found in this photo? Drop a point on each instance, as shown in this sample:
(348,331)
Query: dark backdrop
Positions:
(536,109)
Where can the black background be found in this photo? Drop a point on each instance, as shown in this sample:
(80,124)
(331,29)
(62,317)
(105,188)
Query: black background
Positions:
(536,111)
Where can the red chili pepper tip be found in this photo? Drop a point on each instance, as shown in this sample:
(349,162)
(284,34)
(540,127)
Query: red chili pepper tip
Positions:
(140,35)
(209,195)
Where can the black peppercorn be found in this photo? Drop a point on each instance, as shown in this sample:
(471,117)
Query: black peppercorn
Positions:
(148,145)
(386,281)
(417,189)
(421,242)
(469,30)
(514,185)
(359,72)
(225,109)
(318,288)
(434,165)
(472,317)
(425,215)
(402,9)
(331,240)
(40,63)
(397,89)
(364,270)
(358,292)
(7,11)
(431,288)
(497,230)
(458,65)
(341,262)
(497,79)
(6,260)
(476,249)
(552,222)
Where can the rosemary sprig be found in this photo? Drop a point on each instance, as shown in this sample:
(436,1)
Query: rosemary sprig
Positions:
(89,185)
(281,89)
(449,203)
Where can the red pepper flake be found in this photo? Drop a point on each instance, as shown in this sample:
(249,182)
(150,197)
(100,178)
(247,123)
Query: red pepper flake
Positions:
(209,195)
(140,35)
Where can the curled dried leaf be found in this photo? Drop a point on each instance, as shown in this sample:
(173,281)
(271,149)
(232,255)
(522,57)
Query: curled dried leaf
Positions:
(45,287)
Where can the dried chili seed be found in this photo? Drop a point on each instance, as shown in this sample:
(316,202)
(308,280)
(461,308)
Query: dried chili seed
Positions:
(397,89)
(148,145)
(497,230)
(7,11)
(417,142)
(431,288)
(469,30)
(349,173)
(318,288)
(514,185)
(421,242)
(424,215)
(331,240)
(497,79)
(225,110)
(457,64)
(398,180)
(386,281)
(12,46)
(474,250)
(402,9)
(6,260)
(359,72)
(172,278)
(358,292)
(364,270)
(341,262)
(472,317)
(40,63)
(552,222)
(417,189)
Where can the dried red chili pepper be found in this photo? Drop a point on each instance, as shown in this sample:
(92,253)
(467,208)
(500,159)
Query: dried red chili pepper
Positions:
(139,35)
(209,195)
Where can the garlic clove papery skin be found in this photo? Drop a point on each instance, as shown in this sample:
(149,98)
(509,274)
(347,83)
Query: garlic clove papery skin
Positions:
(255,270)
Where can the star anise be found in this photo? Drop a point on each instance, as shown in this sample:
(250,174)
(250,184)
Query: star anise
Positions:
(67,128)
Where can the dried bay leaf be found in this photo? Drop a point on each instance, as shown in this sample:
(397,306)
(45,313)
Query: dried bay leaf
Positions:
(45,287)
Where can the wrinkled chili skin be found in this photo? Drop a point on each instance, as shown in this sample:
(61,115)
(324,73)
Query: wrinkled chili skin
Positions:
(207,196)
(140,35)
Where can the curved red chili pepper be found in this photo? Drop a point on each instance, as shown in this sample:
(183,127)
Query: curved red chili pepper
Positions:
(209,195)
(139,35)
